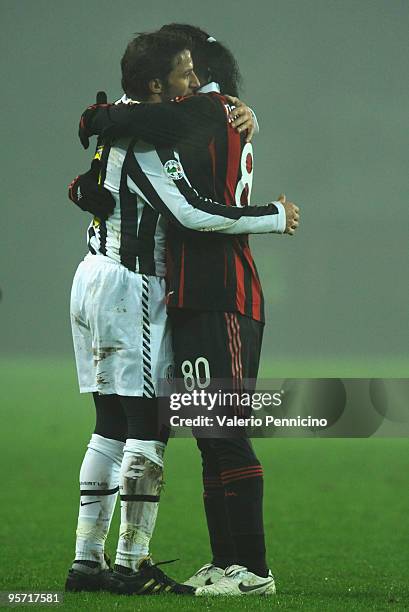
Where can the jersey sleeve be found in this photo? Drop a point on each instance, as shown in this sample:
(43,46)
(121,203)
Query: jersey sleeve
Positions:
(191,120)
(183,206)
(255,121)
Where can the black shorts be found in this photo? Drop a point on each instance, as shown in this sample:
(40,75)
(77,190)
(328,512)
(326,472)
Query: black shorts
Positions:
(224,346)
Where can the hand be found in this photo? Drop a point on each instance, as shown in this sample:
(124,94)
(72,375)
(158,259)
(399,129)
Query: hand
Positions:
(241,117)
(292,216)
(85,192)
(85,127)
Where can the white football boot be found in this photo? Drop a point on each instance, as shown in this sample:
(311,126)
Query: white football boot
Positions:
(237,580)
(206,575)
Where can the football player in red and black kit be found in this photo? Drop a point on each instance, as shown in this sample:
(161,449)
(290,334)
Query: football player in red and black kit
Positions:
(215,300)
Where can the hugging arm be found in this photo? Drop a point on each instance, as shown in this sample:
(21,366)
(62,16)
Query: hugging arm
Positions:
(193,119)
(183,206)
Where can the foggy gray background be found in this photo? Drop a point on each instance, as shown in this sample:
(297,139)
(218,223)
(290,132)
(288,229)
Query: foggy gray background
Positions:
(329,83)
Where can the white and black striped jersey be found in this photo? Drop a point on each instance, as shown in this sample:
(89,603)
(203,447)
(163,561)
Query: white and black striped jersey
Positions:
(150,189)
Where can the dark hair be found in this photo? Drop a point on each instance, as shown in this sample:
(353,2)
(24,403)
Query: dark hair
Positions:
(150,56)
(212,61)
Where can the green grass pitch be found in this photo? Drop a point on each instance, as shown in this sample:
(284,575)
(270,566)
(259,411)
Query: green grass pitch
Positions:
(336,511)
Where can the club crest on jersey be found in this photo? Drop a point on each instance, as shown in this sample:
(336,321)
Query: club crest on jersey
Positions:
(174,170)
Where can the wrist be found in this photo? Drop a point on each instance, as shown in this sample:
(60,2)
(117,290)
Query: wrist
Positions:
(282,220)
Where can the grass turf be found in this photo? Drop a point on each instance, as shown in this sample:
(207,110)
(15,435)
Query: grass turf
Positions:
(336,511)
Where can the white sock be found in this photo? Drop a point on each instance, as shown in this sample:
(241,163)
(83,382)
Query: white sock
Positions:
(140,485)
(99,482)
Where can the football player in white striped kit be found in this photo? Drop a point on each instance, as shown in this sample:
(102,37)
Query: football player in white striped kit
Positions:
(120,331)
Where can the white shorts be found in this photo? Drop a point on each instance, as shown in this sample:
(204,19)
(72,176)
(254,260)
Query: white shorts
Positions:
(121,333)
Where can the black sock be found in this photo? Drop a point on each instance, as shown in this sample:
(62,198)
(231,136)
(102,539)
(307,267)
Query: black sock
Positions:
(244,502)
(217,522)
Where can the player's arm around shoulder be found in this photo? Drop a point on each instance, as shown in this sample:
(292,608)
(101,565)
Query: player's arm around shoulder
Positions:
(203,117)
(191,119)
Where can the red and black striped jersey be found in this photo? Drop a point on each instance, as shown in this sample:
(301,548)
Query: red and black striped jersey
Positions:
(216,272)
(206,270)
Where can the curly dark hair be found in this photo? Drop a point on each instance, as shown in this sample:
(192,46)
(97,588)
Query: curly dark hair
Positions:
(150,56)
(212,61)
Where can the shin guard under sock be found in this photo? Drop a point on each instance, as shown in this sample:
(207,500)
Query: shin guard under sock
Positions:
(140,485)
